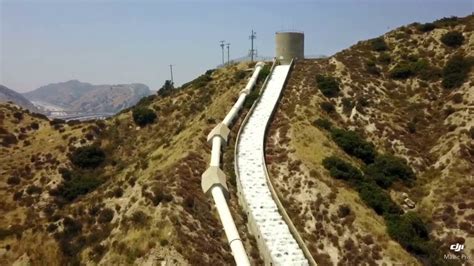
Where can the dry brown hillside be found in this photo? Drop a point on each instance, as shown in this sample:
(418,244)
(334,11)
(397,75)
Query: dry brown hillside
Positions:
(393,92)
(144,202)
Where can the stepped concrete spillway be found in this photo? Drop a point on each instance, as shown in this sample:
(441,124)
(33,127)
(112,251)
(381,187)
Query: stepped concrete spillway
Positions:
(272,233)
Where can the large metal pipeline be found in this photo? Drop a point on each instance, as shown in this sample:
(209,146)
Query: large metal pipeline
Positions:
(239,103)
(214,181)
(216,151)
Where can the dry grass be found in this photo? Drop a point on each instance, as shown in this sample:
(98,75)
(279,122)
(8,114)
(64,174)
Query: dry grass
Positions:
(152,185)
(438,148)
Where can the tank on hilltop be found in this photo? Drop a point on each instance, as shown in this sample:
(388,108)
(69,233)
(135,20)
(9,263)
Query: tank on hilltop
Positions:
(289,45)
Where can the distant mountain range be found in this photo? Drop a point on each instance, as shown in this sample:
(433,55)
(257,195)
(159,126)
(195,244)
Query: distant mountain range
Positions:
(8,95)
(76,96)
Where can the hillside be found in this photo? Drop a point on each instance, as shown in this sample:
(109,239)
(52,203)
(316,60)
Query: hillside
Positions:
(78,96)
(148,204)
(414,116)
(127,190)
(8,95)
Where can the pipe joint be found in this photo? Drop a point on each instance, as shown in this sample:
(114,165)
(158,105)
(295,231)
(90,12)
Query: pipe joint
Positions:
(222,131)
(213,177)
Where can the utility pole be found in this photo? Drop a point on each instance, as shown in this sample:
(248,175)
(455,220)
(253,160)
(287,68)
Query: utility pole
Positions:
(252,51)
(171,70)
(228,53)
(222,46)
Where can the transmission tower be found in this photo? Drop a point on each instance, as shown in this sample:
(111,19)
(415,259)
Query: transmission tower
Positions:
(222,47)
(171,70)
(252,37)
(228,53)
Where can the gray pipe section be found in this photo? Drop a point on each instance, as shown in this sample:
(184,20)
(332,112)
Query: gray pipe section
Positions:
(239,103)
(236,245)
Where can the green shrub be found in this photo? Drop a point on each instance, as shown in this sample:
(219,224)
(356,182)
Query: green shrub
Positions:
(328,85)
(402,71)
(18,115)
(143,116)
(446,21)
(384,58)
(455,72)
(418,65)
(34,125)
(378,44)
(409,230)
(240,75)
(387,168)
(264,72)
(105,216)
(372,68)
(39,116)
(57,121)
(426,27)
(8,139)
(76,186)
(323,123)
(33,189)
(328,107)
(453,39)
(341,169)
(411,126)
(200,81)
(251,98)
(347,105)
(457,98)
(146,101)
(429,73)
(354,144)
(377,199)
(88,156)
(209,72)
(414,66)
(139,218)
(13,180)
(449,111)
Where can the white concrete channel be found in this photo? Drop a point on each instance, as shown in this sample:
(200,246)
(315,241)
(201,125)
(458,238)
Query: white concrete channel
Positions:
(275,241)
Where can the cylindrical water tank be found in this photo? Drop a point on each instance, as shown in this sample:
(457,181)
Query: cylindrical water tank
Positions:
(289,45)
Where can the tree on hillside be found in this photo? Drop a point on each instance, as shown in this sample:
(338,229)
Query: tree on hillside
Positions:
(453,39)
(166,88)
(328,85)
(88,156)
(143,116)
(456,71)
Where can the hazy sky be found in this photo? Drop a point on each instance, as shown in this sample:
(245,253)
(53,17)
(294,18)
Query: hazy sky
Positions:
(111,42)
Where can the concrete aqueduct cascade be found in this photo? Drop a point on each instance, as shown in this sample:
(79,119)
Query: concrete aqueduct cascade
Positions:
(274,238)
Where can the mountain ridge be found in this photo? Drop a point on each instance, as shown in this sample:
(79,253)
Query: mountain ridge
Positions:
(7,94)
(74,95)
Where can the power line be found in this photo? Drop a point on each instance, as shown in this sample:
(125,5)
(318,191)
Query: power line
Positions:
(228,53)
(171,70)
(252,37)
(222,47)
